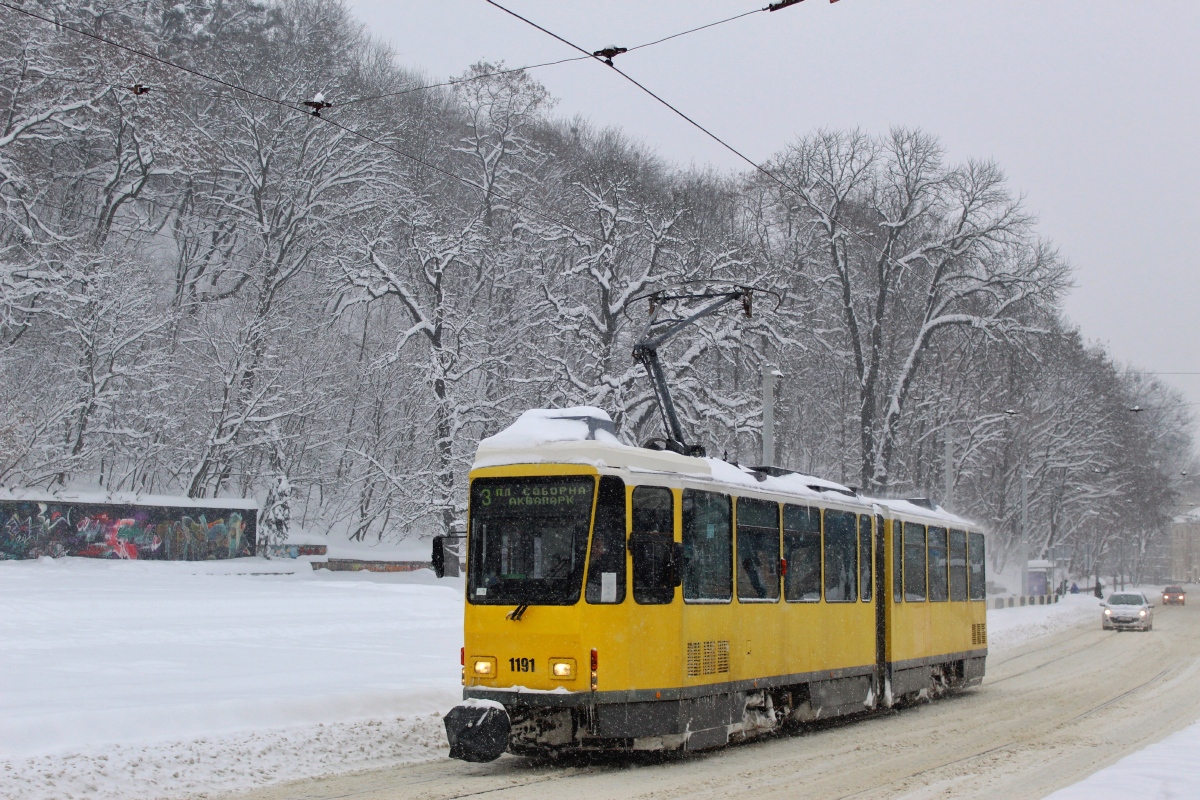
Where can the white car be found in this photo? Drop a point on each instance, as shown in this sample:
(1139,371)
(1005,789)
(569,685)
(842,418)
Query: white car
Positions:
(1127,611)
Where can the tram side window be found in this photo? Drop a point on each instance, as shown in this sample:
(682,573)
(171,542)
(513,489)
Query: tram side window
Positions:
(841,557)
(897,562)
(802,550)
(606,566)
(914,562)
(939,589)
(958,566)
(978,585)
(864,556)
(757,549)
(651,545)
(707,547)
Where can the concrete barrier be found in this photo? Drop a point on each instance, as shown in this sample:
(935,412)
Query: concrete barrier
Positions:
(1017,601)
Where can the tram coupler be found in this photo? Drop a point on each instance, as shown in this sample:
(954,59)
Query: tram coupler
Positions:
(477,730)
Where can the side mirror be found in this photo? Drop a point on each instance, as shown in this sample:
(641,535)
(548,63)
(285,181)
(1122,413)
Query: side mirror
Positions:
(1102,603)
(439,556)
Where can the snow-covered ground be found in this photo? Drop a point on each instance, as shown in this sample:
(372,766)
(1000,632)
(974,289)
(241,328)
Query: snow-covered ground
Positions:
(139,680)
(1166,770)
(145,679)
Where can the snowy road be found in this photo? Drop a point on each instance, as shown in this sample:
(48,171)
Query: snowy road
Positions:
(1050,713)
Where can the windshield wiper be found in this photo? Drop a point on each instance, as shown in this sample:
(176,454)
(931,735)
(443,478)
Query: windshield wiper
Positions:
(518,612)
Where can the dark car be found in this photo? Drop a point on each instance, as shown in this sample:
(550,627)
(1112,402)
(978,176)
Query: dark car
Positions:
(1174,596)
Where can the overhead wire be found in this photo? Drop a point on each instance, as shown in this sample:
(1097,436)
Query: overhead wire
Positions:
(694,30)
(455,82)
(136,88)
(299,108)
(468,79)
(739,154)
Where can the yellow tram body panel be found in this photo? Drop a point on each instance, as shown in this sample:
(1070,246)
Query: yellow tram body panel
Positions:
(645,647)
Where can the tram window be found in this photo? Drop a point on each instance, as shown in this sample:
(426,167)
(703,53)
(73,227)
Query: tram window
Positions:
(939,589)
(864,556)
(606,567)
(651,545)
(802,549)
(757,549)
(978,585)
(707,547)
(897,563)
(841,557)
(958,566)
(914,562)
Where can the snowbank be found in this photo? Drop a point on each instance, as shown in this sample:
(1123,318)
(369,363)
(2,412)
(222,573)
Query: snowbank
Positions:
(1009,627)
(139,680)
(1163,771)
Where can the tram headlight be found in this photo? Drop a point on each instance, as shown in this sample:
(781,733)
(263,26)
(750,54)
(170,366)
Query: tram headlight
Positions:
(484,667)
(562,669)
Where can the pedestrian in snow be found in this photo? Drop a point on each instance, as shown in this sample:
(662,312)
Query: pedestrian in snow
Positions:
(1074,587)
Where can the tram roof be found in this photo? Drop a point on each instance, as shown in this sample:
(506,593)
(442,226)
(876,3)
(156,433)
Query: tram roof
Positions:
(586,435)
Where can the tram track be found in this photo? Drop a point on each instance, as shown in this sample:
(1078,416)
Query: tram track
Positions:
(1095,709)
(1050,713)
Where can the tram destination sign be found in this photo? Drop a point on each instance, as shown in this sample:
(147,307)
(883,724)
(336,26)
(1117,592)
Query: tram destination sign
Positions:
(533,496)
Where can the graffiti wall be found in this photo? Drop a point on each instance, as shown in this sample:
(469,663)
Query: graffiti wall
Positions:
(32,528)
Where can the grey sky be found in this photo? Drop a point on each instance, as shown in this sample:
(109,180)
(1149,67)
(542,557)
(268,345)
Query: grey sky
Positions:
(1091,106)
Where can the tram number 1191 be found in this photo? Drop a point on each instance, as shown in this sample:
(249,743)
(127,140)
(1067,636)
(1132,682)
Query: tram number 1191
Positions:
(521,664)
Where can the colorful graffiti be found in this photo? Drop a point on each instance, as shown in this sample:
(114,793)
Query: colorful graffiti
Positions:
(31,529)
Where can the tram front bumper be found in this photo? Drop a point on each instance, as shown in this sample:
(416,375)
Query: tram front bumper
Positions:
(477,730)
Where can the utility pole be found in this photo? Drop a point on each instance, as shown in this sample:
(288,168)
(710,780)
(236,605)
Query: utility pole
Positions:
(1024,533)
(770,377)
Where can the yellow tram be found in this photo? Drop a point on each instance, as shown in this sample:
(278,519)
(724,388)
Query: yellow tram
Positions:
(622,598)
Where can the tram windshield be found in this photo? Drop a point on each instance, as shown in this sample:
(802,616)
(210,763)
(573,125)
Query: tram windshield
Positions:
(528,538)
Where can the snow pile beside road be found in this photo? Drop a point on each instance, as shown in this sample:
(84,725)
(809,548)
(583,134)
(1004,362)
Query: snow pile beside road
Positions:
(1009,627)
(1163,771)
(141,680)
(227,763)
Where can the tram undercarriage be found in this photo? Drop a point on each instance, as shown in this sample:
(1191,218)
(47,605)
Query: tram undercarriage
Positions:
(548,724)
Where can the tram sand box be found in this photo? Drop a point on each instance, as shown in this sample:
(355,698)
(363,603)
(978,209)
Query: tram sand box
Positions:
(682,602)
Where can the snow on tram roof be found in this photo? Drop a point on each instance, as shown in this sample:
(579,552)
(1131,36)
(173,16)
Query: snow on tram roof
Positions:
(125,499)
(586,435)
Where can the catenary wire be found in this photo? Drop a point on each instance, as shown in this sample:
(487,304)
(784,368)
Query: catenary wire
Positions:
(426,87)
(458,81)
(350,131)
(455,82)
(648,91)
(153,89)
(694,30)
(739,154)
